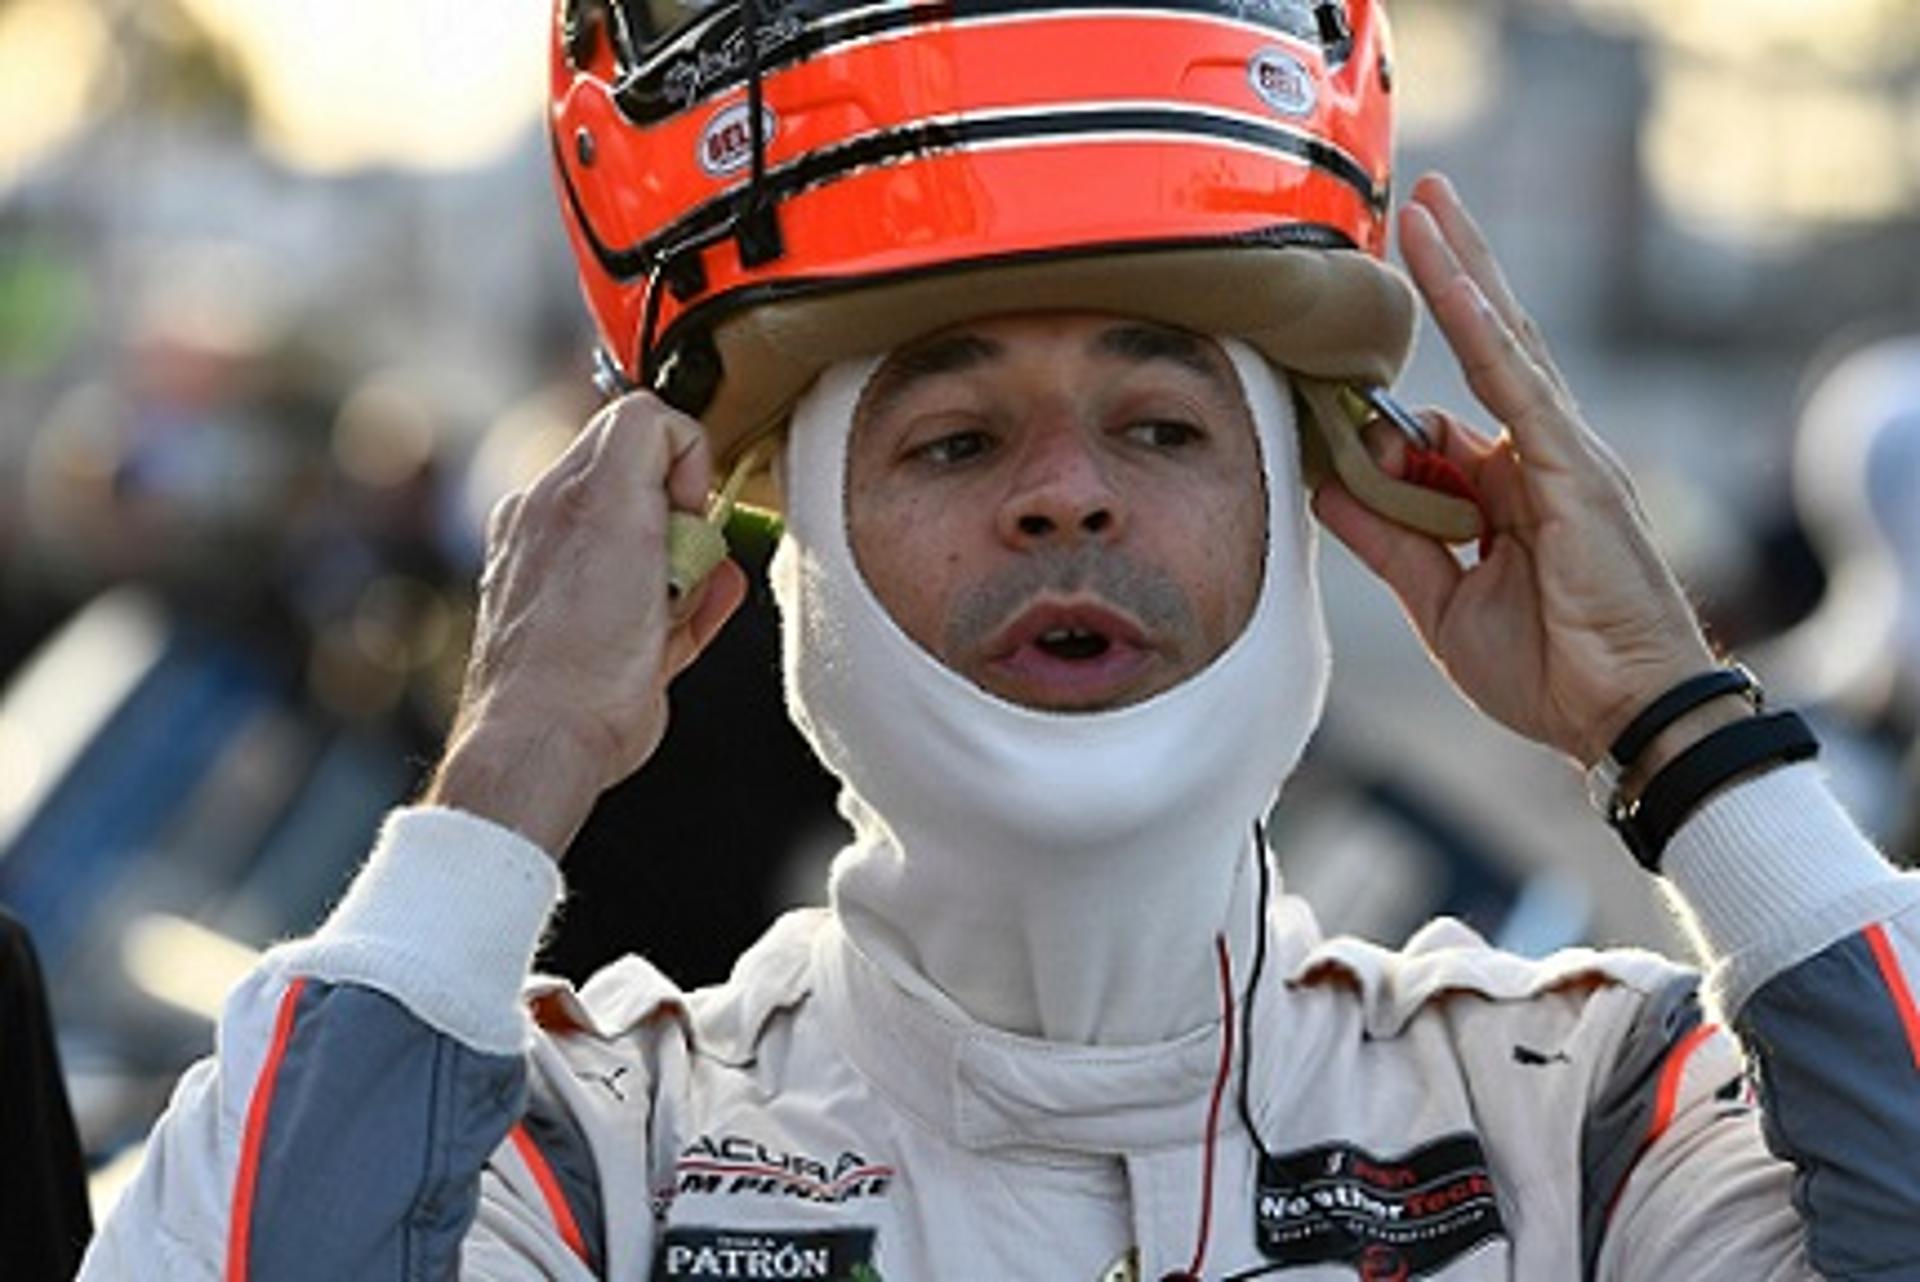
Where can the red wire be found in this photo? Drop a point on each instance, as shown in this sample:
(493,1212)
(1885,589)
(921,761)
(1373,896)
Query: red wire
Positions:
(1213,1106)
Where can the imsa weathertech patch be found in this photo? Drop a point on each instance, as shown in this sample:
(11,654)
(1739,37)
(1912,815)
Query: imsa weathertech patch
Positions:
(1390,1218)
(706,1255)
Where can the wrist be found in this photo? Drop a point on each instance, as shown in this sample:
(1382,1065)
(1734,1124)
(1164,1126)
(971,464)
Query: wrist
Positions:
(1738,750)
(1686,731)
(1646,684)
(533,779)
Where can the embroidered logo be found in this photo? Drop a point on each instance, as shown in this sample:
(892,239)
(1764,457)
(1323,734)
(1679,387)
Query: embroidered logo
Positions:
(1538,1059)
(609,1080)
(735,1164)
(710,1255)
(1389,1219)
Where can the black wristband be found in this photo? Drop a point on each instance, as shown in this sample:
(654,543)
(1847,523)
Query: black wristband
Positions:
(1675,704)
(1683,783)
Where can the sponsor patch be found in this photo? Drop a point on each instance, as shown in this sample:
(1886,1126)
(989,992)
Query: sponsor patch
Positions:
(824,1255)
(736,1165)
(1389,1218)
(726,144)
(1283,82)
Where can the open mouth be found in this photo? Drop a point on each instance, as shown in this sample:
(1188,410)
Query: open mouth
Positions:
(1073,644)
(1069,654)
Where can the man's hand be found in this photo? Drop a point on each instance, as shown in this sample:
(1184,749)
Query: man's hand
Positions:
(1572,622)
(576,640)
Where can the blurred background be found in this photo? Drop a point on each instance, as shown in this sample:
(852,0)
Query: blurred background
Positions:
(285,305)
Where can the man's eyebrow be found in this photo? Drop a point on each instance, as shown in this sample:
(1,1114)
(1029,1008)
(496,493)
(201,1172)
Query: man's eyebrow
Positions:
(1141,343)
(950,354)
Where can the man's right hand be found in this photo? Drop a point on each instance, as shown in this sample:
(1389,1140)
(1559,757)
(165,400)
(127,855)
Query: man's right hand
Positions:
(576,639)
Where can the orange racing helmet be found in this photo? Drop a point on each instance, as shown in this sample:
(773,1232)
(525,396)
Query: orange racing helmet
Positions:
(755,190)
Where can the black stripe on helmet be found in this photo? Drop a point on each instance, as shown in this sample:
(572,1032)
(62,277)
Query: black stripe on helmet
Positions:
(709,56)
(713,220)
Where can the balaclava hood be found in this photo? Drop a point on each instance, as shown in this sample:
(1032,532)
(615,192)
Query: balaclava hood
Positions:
(1055,874)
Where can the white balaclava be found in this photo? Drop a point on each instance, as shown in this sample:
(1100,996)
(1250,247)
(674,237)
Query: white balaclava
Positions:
(1060,875)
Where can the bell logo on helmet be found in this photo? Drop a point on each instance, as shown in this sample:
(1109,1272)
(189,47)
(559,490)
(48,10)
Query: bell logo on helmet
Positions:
(1283,82)
(726,144)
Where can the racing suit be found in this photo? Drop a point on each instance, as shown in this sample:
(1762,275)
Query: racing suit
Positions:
(388,1100)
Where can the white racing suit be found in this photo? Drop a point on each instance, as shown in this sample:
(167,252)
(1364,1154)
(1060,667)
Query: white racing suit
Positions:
(381,1107)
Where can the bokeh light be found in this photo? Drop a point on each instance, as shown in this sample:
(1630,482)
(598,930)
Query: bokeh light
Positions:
(429,83)
(1772,119)
(53,54)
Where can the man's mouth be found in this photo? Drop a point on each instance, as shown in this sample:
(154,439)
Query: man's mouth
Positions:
(1073,644)
(1070,655)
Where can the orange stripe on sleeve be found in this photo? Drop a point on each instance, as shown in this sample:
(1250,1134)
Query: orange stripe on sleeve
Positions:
(239,1228)
(1665,1103)
(1896,982)
(550,1190)
(1676,1066)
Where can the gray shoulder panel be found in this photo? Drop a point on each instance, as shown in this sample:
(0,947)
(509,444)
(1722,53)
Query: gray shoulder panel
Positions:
(562,1144)
(371,1158)
(1620,1121)
(1841,1098)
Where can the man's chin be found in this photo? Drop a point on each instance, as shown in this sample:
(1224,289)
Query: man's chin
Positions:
(1068,698)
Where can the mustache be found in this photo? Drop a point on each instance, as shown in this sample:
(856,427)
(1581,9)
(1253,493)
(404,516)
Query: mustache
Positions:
(1149,595)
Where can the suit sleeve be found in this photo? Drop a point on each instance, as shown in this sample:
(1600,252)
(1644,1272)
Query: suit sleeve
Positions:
(1815,945)
(1835,1043)
(368,1112)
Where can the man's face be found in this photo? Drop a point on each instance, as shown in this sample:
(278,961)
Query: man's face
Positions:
(1067,510)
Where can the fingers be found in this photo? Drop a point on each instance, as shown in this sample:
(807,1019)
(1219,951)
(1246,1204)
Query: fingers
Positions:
(626,454)
(653,444)
(689,475)
(575,640)
(1472,254)
(1464,445)
(1420,571)
(1499,371)
(500,519)
(500,523)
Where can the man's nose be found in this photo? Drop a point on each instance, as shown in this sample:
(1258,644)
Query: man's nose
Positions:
(1062,491)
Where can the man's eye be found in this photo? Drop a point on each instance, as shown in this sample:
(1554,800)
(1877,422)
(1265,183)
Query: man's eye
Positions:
(954,447)
(1164,433)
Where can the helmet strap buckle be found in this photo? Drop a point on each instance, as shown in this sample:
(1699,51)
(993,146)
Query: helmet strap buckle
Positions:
(757,232)
(685,274)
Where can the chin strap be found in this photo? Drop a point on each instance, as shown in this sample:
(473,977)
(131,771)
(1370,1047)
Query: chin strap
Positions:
(1433,497)
(757,224)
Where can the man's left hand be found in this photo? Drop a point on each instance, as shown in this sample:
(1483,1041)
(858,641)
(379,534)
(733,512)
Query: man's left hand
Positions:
(1572,622)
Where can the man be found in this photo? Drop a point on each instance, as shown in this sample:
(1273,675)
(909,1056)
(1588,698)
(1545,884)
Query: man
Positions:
(1050,615)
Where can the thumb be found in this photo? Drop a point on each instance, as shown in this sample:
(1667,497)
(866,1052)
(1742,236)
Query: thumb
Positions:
(1418,569)
(715,601)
